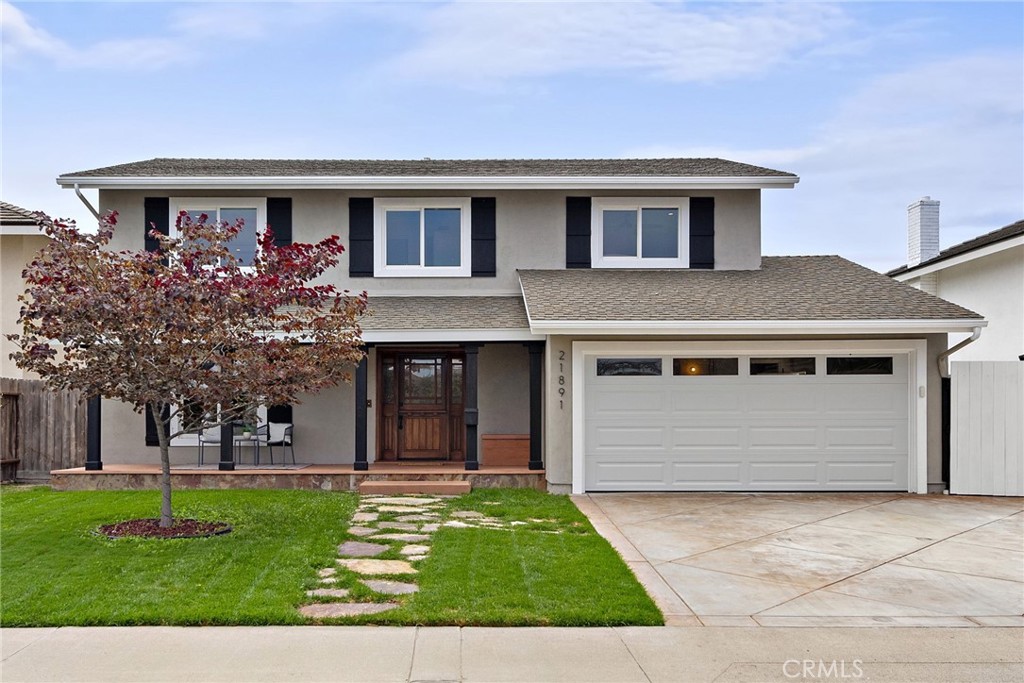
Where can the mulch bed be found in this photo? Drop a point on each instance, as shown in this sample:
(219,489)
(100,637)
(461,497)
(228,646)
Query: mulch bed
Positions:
(150,528)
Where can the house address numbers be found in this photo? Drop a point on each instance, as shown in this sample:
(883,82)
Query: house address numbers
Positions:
(561,380)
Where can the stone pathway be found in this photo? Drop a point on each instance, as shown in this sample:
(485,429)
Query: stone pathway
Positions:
(404,534)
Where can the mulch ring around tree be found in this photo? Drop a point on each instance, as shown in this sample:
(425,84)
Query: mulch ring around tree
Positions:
(150,528)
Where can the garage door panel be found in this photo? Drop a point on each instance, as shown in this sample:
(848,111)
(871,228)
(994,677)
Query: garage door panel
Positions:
(783,472)
(747,433)
(727,474)
(699,400)
(700,438)
(777,398)
(783,437)
(864,401)
(879,437)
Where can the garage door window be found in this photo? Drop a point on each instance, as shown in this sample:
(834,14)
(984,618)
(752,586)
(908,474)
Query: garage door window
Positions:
(628,367)
(782,366)
(700,367)
(880,365)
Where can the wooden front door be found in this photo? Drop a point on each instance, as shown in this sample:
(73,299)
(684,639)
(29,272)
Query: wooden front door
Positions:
(421,406)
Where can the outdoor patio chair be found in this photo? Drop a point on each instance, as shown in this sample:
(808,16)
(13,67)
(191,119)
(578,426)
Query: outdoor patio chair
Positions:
(280,434)
(209,435)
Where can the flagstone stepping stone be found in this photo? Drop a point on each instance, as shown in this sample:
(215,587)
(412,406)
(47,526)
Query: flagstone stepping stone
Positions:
(411,500)
(425,517)
(517,523)
(326,571)
(400,508)
(408,538)
(467,514)
(457,524)
(360,549)
(327,610)
(416,558)
(329,580)
(401,526)
(415,550)
(378,566)
(430,527)
(361,530)
(391,587)
(365,517)
(328,593)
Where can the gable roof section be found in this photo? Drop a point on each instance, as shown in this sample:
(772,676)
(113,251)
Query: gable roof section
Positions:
(15,220)
(467,173)
(798,293)
(994,237)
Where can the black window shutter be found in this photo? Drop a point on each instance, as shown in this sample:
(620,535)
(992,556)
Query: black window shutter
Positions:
(577,232)
(360,237)
(157,210)
(152,437)
(279,216)
(279,413)
(702,232)
(484,231)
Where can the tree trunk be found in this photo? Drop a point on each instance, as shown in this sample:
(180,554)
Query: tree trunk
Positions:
(166,518)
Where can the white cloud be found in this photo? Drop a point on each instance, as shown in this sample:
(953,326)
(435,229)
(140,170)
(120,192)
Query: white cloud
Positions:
(953,130)
(184,38)
(478,43)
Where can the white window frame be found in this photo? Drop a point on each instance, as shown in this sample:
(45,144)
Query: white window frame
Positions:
(179,204)
(601,204)
(192,439)
(382,205)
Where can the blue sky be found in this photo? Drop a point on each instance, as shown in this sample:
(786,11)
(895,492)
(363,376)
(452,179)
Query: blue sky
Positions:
(873,105)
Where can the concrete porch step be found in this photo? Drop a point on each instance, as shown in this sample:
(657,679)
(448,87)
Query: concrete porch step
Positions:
(392,486)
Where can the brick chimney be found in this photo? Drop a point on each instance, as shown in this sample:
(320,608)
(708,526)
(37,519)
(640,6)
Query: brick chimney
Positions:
(923,239)
(922,230)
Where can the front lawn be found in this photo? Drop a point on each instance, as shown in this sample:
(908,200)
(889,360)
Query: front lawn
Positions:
(55,570)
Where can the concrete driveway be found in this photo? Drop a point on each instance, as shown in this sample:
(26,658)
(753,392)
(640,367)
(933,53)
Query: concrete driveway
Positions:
(795,559)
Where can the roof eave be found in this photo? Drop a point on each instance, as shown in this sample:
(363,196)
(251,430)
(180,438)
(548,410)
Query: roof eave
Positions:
(430,182)
(754,327)
(942,262)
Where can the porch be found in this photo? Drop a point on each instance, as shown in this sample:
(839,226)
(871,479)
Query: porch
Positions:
(301,476)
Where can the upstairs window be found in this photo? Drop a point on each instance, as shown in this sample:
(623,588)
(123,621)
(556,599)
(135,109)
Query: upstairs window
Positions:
(251,210)
(635,232)
(422,237)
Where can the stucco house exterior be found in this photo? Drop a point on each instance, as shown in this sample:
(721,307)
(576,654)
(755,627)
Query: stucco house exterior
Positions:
(615,314)
(20,240)
(984,274)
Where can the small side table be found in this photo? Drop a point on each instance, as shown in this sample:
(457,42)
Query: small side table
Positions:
(251,440)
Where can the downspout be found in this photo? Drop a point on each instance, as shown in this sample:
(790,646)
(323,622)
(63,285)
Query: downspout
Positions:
(85,201)
(943,365)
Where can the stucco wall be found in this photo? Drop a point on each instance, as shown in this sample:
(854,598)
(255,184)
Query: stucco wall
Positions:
(15,253)
(530,232)
(994,287)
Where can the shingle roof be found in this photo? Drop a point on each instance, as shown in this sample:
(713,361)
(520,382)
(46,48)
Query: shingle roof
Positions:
(445,313)
(162,167)
(1004,233)
(15,215)
(785,288)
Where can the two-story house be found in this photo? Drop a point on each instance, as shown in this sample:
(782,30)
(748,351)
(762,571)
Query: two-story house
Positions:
(617,311)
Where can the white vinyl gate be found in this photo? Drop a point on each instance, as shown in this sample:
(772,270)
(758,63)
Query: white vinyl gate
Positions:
(985,434)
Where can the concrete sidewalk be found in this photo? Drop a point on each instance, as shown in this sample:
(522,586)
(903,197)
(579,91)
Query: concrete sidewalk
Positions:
(324,653)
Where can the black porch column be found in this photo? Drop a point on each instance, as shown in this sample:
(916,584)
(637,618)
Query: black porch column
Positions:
(361,463)
(472,412)
(536,350)
(92,437)
(227,447)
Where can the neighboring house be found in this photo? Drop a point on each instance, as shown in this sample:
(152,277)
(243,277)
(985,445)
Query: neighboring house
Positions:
(20,240)
(618,312)
(984,274)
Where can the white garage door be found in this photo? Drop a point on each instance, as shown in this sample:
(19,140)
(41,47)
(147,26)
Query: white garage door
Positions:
(799,422)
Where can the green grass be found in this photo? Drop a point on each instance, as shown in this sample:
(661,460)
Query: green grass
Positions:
(55,570)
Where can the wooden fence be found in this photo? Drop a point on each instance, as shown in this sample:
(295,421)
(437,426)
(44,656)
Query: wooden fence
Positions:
(986,437)
(43,429)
